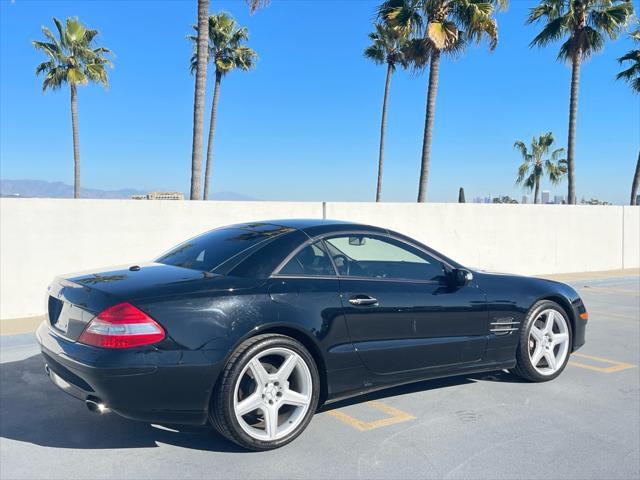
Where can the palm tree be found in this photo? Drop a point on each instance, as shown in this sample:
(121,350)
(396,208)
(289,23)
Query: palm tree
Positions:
(388,47)
(534,164)
(199,98)
(440,27)
(585,25)
(632,75)
(227,53)
(256,4)
(73,59)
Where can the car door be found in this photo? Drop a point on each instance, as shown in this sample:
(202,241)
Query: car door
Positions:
(401,312)
(305,291)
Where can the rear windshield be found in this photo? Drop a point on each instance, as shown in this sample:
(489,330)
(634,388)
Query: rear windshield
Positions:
(209,251)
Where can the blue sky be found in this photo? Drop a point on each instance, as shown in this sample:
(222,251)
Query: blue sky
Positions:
(304,124)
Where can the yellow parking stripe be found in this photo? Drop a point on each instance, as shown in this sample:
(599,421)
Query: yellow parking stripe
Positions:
(615,366)
(395,416)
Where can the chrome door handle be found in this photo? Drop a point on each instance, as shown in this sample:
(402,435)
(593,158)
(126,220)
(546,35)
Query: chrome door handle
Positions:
(363,300)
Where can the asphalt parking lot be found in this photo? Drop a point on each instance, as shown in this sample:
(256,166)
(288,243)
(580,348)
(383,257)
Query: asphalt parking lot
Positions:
(585,424)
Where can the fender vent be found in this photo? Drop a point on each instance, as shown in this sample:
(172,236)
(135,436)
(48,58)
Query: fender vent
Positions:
(503,326)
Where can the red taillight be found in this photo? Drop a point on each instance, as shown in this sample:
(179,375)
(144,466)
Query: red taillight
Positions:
(122,326)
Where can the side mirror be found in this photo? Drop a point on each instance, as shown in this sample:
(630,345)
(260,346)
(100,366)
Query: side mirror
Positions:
(357,241)
(461,277)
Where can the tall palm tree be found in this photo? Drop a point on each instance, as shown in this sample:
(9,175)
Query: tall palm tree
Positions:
(584,25)
(534,165)
(226,52)
(73,59)
(632,75)
(199,98)
(440,27)
(387,47)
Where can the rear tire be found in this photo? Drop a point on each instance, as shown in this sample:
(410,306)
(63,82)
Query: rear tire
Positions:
(545,343)
(266,394)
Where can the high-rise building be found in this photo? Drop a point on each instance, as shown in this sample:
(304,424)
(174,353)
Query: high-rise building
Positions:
(526,199)
(558,199)
(545,196)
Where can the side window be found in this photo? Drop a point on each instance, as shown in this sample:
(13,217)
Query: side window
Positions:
(312,260)
(381,257)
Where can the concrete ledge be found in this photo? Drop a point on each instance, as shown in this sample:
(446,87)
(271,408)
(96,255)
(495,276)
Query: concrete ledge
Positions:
(604,274)
(16,326)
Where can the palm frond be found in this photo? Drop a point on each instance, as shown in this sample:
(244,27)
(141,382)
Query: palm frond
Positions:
(256,4)
(551,32)
(72,58)
(403,15)
(549,9)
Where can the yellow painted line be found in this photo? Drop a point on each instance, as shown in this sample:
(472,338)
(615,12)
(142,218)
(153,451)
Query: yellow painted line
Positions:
(615,366)
(395,416)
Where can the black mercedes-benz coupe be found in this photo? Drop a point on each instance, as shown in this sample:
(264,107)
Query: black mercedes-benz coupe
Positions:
(251,327)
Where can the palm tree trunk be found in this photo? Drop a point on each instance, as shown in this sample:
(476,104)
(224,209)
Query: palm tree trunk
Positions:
(212,128)
(434,71)
(536,195)
(76,142)
(573,112)
(199,98)
(636,183)
(383,124)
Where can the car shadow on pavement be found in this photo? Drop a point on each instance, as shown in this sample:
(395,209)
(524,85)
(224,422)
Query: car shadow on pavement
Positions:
(497,376)
(33,410)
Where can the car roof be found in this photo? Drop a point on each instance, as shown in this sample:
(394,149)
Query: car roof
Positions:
(313,226)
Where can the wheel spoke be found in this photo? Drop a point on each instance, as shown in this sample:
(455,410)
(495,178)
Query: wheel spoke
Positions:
(560,338)
(287,367)
(551,359)
(536,333)
(260,375)
(249,404)
(537,356)
(270,413)
(291,397)
(550,320)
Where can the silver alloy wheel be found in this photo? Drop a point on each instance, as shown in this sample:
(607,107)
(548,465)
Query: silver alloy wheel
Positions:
(548,342)
(272,394)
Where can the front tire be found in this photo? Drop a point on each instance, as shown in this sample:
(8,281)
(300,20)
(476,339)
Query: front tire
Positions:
(267,393)
(545,343)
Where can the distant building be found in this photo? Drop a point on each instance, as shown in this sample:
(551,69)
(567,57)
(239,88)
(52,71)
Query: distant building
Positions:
(545,196)
(637,199)
(159,196)
(526,199)
(558,199)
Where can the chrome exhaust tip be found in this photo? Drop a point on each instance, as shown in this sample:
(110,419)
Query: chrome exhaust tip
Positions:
(96,406)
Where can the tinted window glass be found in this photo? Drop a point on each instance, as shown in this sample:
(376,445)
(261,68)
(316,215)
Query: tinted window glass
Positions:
(380,257)
(311,260)
(212,249)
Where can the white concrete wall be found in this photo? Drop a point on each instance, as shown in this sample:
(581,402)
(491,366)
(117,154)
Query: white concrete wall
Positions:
(527,239)
(631,239)
(40,238)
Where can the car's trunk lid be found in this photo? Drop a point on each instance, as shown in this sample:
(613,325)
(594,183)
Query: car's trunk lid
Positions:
(74,299)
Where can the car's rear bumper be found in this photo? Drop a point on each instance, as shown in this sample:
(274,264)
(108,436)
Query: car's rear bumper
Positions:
(171,386)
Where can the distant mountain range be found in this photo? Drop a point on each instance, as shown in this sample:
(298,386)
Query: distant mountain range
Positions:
(43,189)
